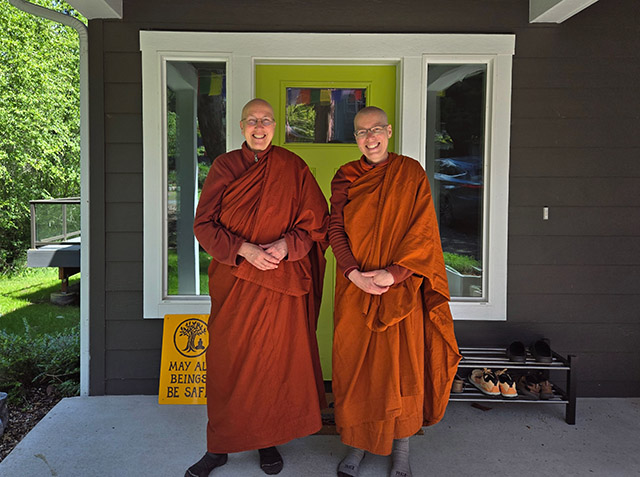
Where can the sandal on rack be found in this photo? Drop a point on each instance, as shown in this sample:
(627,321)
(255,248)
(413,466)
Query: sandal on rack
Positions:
(541,351)
(517,352)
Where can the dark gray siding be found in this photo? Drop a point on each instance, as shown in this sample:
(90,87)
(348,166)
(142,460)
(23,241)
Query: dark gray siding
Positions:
(97,213)
(574,148)
(130,360)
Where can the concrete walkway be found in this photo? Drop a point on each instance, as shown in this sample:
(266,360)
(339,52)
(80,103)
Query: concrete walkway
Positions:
(123,436)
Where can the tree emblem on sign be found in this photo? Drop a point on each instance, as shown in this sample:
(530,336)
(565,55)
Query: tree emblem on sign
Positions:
(191,338)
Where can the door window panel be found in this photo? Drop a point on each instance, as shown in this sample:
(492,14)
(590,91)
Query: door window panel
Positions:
(456,111)
(196,134)
(322,115)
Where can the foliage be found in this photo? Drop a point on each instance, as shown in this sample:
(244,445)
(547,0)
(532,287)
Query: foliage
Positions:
(39,119)
(172,133)
(464,264)
(50,359)
(301,119)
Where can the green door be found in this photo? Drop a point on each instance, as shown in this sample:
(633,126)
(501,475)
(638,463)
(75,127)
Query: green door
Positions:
(319,102)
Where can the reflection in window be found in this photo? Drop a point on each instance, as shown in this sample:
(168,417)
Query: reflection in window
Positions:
(456,104)
(196,134)
(322,115)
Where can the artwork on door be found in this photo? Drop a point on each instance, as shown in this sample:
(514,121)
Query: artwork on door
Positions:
(322,115)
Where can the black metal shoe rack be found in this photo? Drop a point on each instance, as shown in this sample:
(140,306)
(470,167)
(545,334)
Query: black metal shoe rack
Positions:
(495,358)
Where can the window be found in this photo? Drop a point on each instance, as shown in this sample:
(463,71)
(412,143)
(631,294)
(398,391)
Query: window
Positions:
(456,109)
(466,158)
(196,135)
(322,115)
(466,116)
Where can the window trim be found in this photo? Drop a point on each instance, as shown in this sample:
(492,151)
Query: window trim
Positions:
(242,51)
(496,180)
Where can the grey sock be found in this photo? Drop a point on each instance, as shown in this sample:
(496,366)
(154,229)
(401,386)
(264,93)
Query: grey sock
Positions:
(350,465)
(400,455)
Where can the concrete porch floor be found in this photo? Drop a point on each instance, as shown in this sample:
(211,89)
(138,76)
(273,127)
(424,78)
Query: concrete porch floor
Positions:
(125,436)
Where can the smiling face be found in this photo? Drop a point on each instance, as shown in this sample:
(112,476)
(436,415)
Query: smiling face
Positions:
(373,146)
(259,136)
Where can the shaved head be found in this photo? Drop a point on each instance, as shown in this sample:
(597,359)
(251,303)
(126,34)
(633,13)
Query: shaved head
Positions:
(258,135)
(371,110)
(375,131)
(256,102)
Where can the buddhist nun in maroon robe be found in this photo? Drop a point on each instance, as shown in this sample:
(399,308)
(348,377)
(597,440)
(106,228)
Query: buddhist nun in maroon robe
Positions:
(263,219)
(394,351)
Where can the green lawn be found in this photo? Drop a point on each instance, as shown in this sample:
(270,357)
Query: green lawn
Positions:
(204,260)
(25,306)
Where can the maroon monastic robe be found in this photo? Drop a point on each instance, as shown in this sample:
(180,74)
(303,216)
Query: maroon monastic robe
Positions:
(394,355)
(264,383)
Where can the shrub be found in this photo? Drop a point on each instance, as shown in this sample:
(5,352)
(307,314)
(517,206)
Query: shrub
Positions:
(464,264)
(51,359)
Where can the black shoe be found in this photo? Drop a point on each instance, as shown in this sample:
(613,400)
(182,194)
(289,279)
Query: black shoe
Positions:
(270,460)
(204,466)
(517,352)
(541,351)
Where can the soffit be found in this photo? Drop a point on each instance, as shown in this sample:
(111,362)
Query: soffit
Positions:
(540,11)
(92,9)
(555,11)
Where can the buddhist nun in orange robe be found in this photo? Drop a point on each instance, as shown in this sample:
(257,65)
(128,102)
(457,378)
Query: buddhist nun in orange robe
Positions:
(394,351)
(263,219)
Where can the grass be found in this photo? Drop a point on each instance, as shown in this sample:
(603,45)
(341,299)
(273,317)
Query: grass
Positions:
(204,260)
(25,306)
(462,263)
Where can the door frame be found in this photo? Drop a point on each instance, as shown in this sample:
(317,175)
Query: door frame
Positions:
(411,52)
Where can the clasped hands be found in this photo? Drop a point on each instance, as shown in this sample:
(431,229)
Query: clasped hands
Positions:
(374,282)
(264,256)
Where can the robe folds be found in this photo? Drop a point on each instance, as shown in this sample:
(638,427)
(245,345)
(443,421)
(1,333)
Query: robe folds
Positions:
(264,382)
(394,355)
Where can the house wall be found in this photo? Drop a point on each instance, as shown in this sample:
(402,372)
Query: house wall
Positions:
(574,148)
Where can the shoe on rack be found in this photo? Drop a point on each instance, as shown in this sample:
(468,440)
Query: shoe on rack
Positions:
(546,389)
(485,381)
(541,351)
(517,352)
(506,384)
(458,384)
(528,387)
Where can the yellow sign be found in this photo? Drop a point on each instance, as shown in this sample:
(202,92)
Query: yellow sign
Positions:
(183,369)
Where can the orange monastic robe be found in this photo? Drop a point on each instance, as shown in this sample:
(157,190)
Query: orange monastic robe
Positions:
(264,384)
(394,355)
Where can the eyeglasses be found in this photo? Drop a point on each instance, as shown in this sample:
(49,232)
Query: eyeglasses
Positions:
(266,122)
(362,133)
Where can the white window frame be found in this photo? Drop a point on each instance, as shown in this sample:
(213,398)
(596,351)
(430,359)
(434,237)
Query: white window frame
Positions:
(493,304)
(411,52)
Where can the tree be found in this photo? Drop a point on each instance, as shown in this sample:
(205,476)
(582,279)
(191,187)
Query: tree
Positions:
(39,119)
(192,330)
